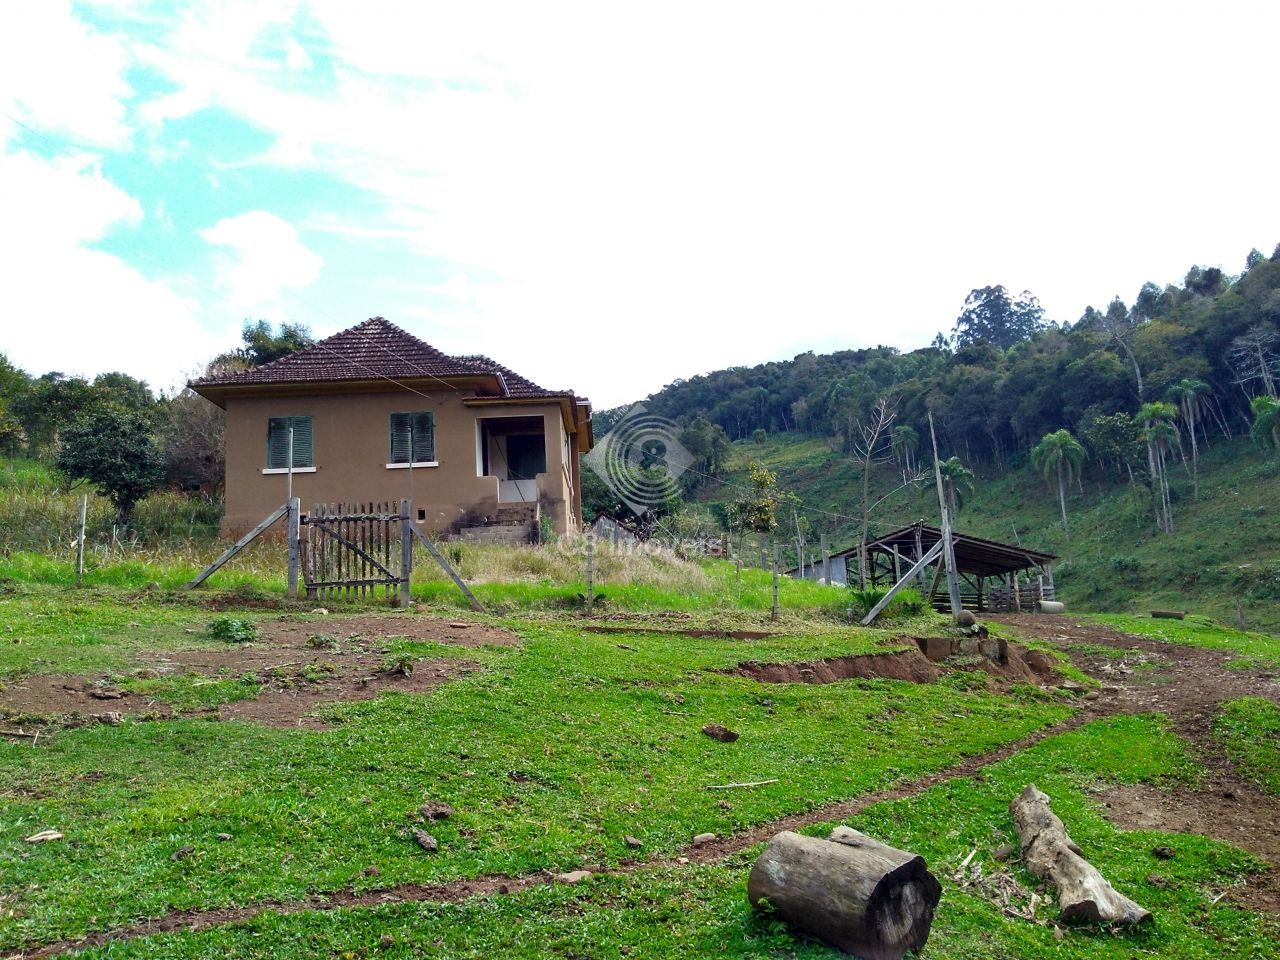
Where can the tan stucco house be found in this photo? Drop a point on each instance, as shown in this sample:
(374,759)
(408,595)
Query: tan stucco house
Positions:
(378,415)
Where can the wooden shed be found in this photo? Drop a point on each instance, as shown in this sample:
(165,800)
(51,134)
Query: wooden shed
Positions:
(994,576)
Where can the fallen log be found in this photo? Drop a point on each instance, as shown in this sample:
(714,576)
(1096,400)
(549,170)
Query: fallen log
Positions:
(849,891)
(1168,614)
(1049,853)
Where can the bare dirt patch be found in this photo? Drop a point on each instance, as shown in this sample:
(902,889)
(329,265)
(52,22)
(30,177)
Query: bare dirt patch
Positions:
(1189,685)
(299,664)
(922,662)
(909,664)
(1228,810)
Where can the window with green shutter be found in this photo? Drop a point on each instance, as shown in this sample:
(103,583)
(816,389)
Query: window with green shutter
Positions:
(413,437)
(278,442)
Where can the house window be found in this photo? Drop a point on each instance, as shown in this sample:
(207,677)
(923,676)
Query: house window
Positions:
(413,437)
(278,442)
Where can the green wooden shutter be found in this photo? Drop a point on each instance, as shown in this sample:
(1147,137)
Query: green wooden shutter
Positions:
(424,437)
(302,448)
(400,424)
(278,442)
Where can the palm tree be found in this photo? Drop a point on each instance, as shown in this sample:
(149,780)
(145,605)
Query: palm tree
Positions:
(1189,395)
(905,442)
(1161,435)
(957,483)
(1059,456)
(1266,421)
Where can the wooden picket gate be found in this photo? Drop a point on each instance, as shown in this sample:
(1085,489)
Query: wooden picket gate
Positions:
(354,549)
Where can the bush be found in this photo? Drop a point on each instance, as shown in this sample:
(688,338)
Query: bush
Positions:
(233,630)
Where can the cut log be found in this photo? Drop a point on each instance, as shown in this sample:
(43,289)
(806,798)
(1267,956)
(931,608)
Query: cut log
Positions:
(1047,851)
(1051,606)
(1168,614)
(849,891)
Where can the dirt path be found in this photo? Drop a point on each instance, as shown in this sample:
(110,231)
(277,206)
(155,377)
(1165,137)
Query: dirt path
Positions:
(1187,683)
(300,665)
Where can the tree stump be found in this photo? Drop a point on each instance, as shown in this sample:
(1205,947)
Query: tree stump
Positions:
(849,891)
(1047,851)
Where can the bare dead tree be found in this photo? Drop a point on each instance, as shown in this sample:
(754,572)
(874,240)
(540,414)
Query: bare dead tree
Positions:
(1254,356)
(870,445)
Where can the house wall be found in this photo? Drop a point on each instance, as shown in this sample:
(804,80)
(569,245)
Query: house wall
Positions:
(351,452)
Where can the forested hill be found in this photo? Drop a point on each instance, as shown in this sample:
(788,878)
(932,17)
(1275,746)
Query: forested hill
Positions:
(1006,376)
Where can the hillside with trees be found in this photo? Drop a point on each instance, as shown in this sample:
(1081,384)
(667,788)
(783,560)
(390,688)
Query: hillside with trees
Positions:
(1139,440)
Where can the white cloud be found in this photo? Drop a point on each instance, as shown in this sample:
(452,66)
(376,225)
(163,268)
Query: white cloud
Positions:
(70,307)
(58,74)
(714,183)
(263,258)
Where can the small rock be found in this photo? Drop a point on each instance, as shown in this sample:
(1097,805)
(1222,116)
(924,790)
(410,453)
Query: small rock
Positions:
(965,619)
(1003,852)
(677,697)
(682,860)
(716,732)
(321,611)
(1163,853)
(503,889)
(702,838)
(635,843)
(1158,881)
(434,810)
(623,646)
(112,718)
(370,872)
(224,837)
(459,625)
(182,852)
(106,693)
(426,841)
(386,941)
(44,836)
(1228,794)
(574,876)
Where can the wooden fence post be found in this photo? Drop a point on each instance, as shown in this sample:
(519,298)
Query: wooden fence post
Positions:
(84,510)
(294,535)
(591,586)
(826,559)
(774,613)
(406,552)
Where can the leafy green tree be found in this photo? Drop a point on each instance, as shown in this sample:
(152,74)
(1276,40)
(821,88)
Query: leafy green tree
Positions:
(114,450)
(51,403)
(1266,422)
(994,315)
(957,483)
(262,344)
(1111,437)
(1160,435)
(1059,456)
(757,507)
(759,435)
(122,390)
(1190,396)
(709,445)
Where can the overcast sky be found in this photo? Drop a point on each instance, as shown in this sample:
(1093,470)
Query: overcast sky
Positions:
(609,196)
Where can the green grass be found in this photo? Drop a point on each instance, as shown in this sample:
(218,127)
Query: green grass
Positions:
(703,911)
(1199,632)
(192,691)
(550,757)
(1249,729)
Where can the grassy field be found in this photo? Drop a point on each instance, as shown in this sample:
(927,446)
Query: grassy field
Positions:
(560,749)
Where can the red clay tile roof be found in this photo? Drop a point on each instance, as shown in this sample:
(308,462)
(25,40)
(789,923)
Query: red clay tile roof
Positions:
(371,350)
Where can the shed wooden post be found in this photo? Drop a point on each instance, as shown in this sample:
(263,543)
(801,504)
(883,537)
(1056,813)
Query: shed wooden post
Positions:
(948,546)
(1017,593)
(294,534)
(919,554)
(826,558)
(406,552)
